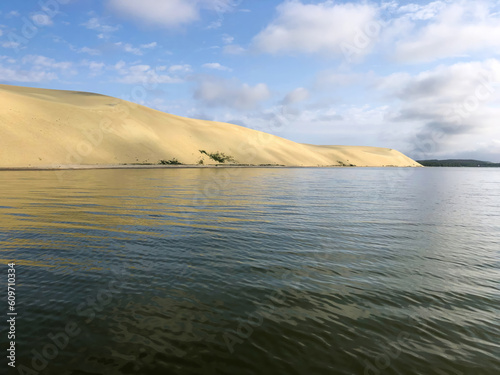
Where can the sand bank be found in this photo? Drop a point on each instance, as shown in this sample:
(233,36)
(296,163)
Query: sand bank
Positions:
(53,129)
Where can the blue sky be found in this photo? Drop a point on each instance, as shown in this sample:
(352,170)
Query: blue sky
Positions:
(421,77)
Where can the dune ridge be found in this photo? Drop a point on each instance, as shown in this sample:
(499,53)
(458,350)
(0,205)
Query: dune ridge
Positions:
(44,128)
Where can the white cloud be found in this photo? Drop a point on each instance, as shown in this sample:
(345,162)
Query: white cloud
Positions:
(41,19)
(97,25)
(298,95)
(38,69)
(455,29)
(47,62)
(332,80)
(443,83)
(413,33)
(95,68)
(1,32)
(325,125)
(143,74)
(181,68)
(8,59)
(13,13)
(216,66)
(451,106)
(10,44)
(160,13)
(90,51)
(227,39)
(422,11)
(215,24)
(168,13)
(233,49)
(18,75)
(127,47)
(149,45)
(316,28)
(230,93)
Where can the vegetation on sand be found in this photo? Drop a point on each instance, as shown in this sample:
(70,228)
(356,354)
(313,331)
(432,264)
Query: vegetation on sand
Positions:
(341,163)
(173,161)
(219,157)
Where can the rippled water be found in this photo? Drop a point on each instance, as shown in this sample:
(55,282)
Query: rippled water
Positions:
(254,271)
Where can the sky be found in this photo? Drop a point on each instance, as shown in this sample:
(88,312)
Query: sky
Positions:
(421,77)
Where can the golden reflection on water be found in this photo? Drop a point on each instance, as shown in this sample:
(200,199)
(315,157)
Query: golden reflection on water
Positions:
(49,210)
(24,262)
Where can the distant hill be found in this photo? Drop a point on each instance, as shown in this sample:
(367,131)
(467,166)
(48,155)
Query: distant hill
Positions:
(458,163)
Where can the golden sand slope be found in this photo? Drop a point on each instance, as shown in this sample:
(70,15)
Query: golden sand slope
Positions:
(52,128)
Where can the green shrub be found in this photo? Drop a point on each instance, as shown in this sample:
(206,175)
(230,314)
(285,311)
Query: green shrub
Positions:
(173,161)
(219,157)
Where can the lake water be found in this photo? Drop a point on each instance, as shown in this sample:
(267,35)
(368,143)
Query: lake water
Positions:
(253,271)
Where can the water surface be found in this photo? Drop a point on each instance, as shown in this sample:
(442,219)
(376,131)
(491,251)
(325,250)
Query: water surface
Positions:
(254,271)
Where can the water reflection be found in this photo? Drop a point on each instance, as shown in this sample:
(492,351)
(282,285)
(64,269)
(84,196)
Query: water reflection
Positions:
(222,271)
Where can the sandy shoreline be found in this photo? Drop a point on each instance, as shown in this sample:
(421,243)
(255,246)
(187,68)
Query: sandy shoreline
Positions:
(159,166)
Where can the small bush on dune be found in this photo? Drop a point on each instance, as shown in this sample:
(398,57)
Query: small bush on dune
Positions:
(173,161)
(342,164)
(219,157)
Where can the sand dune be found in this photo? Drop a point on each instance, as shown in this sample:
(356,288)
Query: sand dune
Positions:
(53,129)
